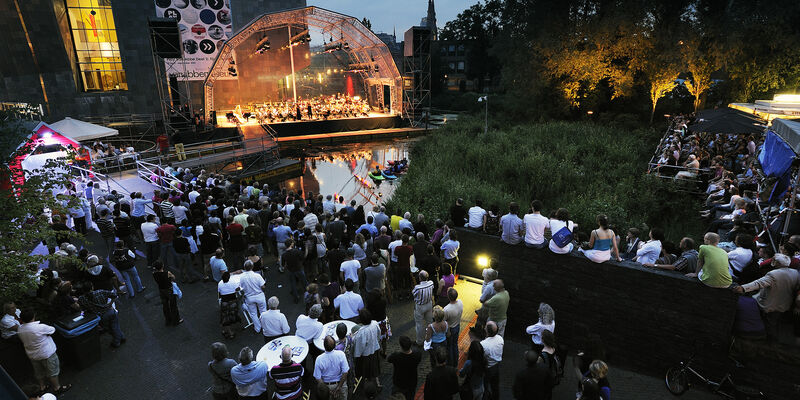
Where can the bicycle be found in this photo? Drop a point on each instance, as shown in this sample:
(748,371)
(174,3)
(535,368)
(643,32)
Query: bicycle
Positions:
(678,382)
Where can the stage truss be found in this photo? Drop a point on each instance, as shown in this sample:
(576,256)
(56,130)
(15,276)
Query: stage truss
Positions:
(365,49)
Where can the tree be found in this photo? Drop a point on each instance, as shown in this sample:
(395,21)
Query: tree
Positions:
(701,62)
(22,223)
(366,23)
(661,78)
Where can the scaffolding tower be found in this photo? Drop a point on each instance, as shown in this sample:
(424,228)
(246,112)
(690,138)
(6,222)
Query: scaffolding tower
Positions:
(417,75)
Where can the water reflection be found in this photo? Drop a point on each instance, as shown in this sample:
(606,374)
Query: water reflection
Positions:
(342,170)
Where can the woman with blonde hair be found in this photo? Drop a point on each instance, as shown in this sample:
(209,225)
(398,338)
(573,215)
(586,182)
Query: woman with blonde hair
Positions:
(436,333)
(602,243)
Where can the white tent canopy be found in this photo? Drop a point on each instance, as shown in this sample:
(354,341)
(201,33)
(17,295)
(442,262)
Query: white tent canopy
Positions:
(79,131)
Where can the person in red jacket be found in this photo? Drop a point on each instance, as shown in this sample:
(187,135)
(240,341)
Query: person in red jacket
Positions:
(163,144)
(166,235)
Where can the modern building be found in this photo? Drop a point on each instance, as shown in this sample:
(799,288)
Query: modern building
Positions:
(454,67)
(91,58)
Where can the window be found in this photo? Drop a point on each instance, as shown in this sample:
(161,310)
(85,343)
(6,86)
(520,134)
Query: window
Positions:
(460,67)
(95,36)
(461,49)
(452,67)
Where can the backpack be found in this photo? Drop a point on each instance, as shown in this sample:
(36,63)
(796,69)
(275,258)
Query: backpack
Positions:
(555,366)
(124,259)
(563,237)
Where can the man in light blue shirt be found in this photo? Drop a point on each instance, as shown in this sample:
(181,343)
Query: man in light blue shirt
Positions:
(331,369)
(381,218)
(250,376)
(406,223)
(370,227)
(511,227)
(282,232)
(217,264)
(450,249)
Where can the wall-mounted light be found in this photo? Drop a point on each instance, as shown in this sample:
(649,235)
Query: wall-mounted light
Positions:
(483,261)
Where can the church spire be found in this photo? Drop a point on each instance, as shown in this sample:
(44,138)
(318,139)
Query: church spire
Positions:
(431,18)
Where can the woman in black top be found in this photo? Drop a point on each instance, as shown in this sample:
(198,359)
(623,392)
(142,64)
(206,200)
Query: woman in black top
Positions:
(169,300)
(376,305)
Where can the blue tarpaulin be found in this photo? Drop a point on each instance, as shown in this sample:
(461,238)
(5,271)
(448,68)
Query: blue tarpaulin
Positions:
(776,156)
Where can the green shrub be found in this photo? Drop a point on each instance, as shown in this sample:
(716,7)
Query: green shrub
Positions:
(586,168)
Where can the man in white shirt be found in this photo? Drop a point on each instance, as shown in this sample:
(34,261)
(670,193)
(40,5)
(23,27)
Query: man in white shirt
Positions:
(348,303)
(308,327)
(179,211)
(252,285)
(41,350)
(739,257)
(452,314)
(350,270)
(311,220)
(475,215)
(273,322)
(649,252)
(493,351)
(10,321)
(331,369)
(152,247)
(535,224)
(398,240)
(328,206)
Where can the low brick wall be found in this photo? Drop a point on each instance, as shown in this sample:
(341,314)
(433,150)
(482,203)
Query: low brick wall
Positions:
(647,319)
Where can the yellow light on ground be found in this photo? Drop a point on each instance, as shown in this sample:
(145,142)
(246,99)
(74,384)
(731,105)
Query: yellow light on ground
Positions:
(792,98)
(483,261)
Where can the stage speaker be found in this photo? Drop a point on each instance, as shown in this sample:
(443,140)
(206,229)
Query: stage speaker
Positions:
(175,94)
(165,37)
(417,41)
(387,97)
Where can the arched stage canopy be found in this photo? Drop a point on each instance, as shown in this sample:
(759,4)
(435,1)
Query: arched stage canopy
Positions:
(376,66)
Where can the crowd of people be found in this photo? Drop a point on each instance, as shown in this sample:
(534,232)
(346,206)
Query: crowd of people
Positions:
(343,262)
(312,109)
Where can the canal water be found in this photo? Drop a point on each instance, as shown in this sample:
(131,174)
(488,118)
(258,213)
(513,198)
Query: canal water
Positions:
(341,170)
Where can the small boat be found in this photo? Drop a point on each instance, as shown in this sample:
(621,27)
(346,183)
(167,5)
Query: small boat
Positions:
(388,175)
(376,176)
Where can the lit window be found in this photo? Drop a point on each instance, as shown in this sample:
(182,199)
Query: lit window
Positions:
(95,37)
(460,67)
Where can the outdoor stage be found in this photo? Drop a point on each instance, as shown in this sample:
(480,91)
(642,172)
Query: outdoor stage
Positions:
(316,127)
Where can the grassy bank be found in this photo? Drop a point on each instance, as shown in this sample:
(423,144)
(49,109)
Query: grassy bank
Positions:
(586,168)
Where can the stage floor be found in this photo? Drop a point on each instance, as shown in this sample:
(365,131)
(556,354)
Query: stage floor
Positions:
(222,121)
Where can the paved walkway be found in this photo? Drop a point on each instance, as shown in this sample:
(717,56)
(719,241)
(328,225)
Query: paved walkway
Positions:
(160,362)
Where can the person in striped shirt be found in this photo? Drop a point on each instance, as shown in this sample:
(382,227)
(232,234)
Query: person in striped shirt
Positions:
(423,305)
(288,377)
(167,213)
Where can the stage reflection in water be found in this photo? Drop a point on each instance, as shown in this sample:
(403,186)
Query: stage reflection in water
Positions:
(343,170)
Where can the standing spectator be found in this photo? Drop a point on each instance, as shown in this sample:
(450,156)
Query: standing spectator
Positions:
(210,242)
(183,251)
(169,300)
(547,322)
(712,263)
(308,327)
(776,292)
(452,314)
(282,233)
(107,231)
(293,262)
(442,381)
(288,377)
(686,263)
(366,347)
(122,228)
(423,305)
(534,225)
(497,306)
(250,376)
(649,252)
(474,370)
(217,265)
(447,281)
(549,358)
(253,285)
(493,350)
(477,216)
(228,304)
(255,236)
(166,235)
(531,382)
(458,214)
(273,322)
(331,369)
(236,243)
(487,287)
(512,230)
(599,371)
(163,144)
(348,303)
(375,275)
(10,321)
(41,350)
(436,333)
(350,270)
(125,261)
(402,268)
(220,368)
(450,249)
(405,362)
(101,302)
(150,237)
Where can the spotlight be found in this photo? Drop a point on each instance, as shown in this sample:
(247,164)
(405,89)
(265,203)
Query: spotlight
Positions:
(483,261)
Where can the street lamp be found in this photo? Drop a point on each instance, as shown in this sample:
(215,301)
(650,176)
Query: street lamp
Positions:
(485,100)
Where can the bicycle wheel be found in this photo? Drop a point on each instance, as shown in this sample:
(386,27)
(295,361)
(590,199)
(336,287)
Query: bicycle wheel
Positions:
(677,380)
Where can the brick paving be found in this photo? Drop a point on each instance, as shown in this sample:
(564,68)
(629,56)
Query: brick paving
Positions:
(162,362)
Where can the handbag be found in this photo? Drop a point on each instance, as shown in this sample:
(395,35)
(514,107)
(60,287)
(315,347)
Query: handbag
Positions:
(563,237)
(176,290)
(426,345)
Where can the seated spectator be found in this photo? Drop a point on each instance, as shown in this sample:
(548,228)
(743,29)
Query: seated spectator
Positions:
(492,224)
(742,255)
(631,244)
(650,250)
(511,229)
(669,253)
(686,263)
(558,223)
(534,225)
(712,263)
(776,292)
(727,221)
(476,216)
(601,243)
(692,167)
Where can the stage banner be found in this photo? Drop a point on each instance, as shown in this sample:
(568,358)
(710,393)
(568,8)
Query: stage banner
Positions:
(205,25)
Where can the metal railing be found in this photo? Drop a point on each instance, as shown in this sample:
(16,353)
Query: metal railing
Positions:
(133,119)
(157,176)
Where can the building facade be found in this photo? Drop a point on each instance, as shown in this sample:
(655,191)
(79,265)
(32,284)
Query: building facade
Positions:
(91,58)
